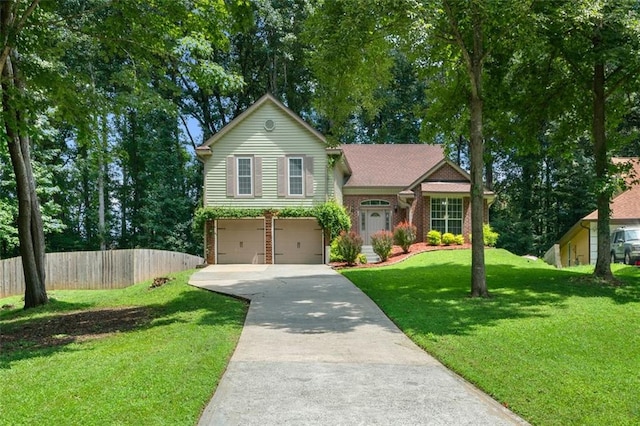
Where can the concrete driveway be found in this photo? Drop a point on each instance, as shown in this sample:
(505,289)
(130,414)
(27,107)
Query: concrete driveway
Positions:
(315,350)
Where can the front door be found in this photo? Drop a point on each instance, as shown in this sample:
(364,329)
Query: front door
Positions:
(374,221)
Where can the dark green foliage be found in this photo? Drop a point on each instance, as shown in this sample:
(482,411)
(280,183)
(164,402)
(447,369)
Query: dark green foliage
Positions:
(158,192)
(542,196)
(333,218)
(404,234)
(382,242)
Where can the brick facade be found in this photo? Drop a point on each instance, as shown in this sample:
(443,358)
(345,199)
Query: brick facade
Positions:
(420,210)
(447,173)
(466,216)
(268,237)
(353,205)
(210,241)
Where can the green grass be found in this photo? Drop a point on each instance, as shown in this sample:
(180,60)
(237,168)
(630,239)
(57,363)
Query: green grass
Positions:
(553,345)
(161,372)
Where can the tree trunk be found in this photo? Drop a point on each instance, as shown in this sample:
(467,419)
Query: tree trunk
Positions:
(101,173)
(30,229)
(603,263)
(474,65)
(478,275)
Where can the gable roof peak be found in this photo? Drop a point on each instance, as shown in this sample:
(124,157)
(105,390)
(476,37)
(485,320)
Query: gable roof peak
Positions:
(266,98)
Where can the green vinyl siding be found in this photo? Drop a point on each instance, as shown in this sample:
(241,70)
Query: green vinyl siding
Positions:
(250,138)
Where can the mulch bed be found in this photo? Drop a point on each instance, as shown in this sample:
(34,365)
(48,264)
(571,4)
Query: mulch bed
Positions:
(63,328)
(398,256)
(68,327)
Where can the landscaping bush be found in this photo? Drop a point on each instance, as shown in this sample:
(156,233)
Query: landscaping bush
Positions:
(489,236)
(434,238)
(459,239)
(349,246)
(334,253)
(448,238)
(404,235)
(362,259)
(382,242)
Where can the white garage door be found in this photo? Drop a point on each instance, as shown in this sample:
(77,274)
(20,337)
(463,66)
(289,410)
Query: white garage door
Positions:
(240,241)
(297,241)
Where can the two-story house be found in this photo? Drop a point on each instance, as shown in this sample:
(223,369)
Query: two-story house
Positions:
(268,159)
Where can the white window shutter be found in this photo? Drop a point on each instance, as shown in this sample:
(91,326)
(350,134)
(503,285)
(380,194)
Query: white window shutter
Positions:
(231,176)
(282,184)
(257,179)
(308,176)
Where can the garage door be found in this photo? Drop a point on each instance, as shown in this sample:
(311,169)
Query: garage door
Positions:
(240,241)
(297,241)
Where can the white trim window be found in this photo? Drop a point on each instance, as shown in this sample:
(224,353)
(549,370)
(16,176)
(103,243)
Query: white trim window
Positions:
(295,176)
(244,167)
(446,215)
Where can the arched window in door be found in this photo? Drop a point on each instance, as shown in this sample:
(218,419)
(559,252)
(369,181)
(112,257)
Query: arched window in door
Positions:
(372,203)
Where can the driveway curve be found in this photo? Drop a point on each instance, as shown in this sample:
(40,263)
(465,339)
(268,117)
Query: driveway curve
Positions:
(315,350)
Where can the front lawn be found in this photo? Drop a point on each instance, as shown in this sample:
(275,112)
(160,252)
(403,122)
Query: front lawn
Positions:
(552,345)
(136,356)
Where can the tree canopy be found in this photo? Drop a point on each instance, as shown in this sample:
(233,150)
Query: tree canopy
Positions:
(104,101)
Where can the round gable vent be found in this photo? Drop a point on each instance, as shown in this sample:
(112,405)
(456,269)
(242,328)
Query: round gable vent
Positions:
(269,125)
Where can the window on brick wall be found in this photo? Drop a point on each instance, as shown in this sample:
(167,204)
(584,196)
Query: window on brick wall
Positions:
(446,215)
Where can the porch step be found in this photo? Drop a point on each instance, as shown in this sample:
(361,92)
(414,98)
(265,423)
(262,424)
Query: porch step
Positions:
(372,257)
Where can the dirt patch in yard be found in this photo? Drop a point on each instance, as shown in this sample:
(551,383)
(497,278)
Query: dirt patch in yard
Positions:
(68,327)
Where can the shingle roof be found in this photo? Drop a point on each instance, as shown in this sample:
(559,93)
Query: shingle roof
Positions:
(627,204)
(398,165)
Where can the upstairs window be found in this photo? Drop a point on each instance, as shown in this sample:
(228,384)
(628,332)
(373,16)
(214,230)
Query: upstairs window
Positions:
(296,173)
(245,176)
(295,176)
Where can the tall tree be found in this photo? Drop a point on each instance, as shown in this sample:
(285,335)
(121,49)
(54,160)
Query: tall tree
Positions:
(599,41)
(461,37)
(465,26)
(353,40)
(136,37)
(13,16)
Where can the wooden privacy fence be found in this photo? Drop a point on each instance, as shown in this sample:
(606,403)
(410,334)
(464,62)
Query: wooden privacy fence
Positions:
(94,270)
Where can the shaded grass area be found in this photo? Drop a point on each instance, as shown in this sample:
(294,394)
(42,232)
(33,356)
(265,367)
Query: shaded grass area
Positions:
(132,356)
(555,346)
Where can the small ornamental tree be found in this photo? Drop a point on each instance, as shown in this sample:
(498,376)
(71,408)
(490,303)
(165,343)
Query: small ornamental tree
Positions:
(382,242)
(434,238)
(404,235)
(349,246)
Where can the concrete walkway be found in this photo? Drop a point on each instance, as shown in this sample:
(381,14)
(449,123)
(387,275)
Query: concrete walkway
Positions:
(315,350)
